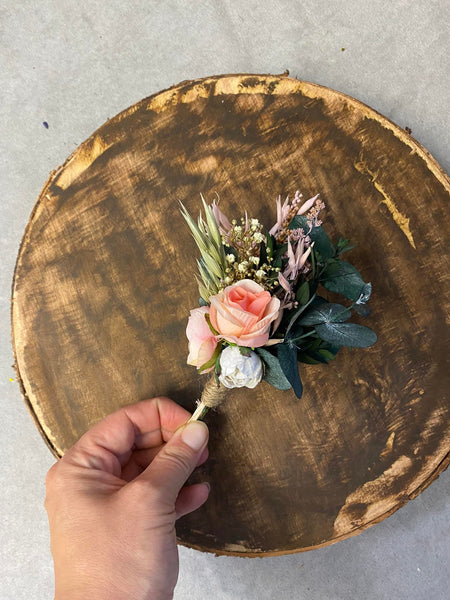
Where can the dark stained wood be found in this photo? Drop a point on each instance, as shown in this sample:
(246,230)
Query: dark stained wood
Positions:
(104,283)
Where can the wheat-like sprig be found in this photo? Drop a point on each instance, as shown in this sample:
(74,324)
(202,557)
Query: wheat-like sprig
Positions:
(212,263)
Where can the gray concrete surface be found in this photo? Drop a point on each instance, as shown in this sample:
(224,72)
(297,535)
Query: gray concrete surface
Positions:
(73,64)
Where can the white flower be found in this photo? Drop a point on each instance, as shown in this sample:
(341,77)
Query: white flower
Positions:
(230,258)
(237,370)
(254,260)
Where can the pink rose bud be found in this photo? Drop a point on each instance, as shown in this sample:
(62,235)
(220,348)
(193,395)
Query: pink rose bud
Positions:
(243,313)
(202,341)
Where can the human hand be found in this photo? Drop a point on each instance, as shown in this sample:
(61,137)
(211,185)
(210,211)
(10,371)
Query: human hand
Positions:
(113,499)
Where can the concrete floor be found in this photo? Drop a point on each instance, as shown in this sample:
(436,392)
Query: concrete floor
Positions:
(73,65)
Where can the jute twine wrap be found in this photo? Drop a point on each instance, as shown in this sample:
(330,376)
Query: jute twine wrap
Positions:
(212,396)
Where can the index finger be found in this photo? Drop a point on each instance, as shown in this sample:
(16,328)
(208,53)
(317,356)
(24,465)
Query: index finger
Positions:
(109,444)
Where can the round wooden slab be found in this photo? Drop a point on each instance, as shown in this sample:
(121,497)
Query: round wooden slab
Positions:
(105,280)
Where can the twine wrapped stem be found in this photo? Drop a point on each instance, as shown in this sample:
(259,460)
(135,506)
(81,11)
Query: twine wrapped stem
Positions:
(212,396)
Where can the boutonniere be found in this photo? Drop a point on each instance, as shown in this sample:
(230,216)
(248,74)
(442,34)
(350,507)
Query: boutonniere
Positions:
(262,308)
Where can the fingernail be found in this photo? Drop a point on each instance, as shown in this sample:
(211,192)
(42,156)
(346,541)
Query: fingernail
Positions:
(195,435)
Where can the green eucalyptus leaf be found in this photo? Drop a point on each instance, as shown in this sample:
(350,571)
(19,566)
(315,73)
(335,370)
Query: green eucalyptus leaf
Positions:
(273,372)
(362,309)
(347,334)
(287,355)
(365,294)
(325,313)
(299,222)
(342,277)
(202,302)
(322,243)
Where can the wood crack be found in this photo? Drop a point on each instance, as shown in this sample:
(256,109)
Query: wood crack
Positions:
(400,219)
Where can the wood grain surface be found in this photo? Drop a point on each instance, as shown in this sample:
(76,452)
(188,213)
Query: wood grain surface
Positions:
(104,283)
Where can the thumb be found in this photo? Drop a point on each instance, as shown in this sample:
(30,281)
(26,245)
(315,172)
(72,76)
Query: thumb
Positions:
(176,460)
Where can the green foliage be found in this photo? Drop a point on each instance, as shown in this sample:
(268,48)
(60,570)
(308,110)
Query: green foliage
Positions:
(362,309)
(212,361)
(365,294)
(287,356)
(326,312)
(297,313)
(343,245)
(244,350)
(302,293)
(208,320)
(217,367)
(342,277)
(262,254)
(231,250)
(347,334)
(317,351)
(273,373)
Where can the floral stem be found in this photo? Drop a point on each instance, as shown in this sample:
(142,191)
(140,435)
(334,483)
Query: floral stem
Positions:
(199,412)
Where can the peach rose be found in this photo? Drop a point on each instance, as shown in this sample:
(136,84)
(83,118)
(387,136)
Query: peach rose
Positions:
(243,312)
(202,342)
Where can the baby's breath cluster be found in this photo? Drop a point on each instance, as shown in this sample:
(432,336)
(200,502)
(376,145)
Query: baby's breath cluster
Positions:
(243,241)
